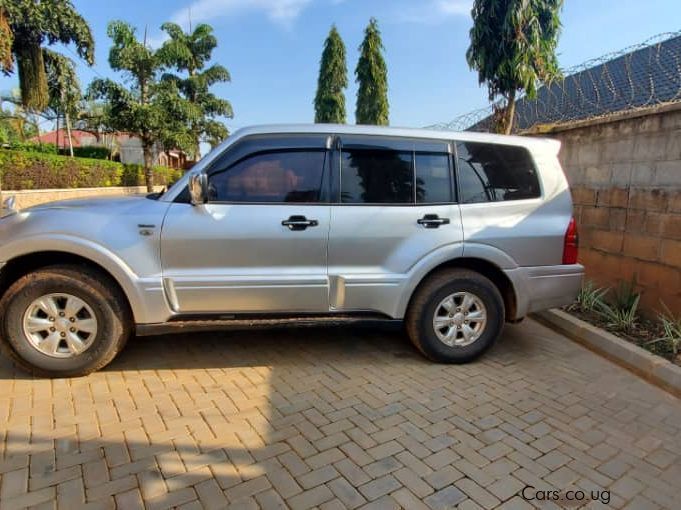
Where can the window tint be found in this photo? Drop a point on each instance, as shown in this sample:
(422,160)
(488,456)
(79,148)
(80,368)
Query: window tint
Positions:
(376,177)
(490,173)
(433,179)
(277,176)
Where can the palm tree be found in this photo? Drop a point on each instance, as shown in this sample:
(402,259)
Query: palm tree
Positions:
(189,52)
(513,48)
(33,23)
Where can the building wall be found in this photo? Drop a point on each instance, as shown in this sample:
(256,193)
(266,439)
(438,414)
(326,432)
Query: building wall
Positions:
(625,177)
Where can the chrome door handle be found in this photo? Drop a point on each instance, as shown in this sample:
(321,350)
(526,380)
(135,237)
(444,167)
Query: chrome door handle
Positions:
(432,221)
(299,223)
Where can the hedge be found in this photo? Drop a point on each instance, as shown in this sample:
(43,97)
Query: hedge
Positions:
(88,151)
(34,170)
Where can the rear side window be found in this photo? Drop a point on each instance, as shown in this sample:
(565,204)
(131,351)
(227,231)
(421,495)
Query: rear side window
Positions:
(433,178)
(272,176)
(492,173)
(376,176)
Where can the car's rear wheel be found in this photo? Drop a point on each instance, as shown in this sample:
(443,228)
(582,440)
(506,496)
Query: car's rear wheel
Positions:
(63,321)
(455,315)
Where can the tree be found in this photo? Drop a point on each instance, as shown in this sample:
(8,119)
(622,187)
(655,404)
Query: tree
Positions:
(372,78)
(189,53)
(32,23)
(6,39)
(148,109)
(513,48)
(329,102)
(20,125)
(64,90)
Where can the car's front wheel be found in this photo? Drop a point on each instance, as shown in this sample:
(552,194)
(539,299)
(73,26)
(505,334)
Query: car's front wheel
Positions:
(455,315)
(63,321)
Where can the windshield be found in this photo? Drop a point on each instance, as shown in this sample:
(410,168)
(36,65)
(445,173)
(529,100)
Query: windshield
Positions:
(158,194)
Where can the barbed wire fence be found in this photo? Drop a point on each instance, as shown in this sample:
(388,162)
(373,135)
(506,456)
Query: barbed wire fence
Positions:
(639,76)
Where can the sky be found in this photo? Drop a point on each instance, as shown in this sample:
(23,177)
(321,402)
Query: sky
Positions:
(272,48)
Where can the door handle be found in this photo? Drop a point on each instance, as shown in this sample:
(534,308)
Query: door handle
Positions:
(299,223)
(432,221)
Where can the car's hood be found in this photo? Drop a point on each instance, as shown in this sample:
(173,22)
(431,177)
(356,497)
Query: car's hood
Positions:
(93,203)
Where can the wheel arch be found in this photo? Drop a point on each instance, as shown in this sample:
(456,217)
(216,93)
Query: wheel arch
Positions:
(23,264)
(484,267)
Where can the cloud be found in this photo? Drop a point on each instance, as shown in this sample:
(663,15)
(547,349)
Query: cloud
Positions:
(282,12)
(454,7)
(435,11)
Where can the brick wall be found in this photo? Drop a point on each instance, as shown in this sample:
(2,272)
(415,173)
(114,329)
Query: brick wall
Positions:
(625,177)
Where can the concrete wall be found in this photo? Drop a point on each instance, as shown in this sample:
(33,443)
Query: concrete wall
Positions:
(28,198)
(625,176)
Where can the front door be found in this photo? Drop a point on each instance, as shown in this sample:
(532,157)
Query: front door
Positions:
(260,243)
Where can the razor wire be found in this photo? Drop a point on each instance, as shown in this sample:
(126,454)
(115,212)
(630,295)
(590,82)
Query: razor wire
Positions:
(639,76)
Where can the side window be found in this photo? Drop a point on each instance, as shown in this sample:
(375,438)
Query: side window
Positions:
(491,173)
(274,176)
(433,178)
(376,176)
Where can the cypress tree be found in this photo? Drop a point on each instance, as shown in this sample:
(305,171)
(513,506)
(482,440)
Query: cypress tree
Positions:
(372,78)
(329,102)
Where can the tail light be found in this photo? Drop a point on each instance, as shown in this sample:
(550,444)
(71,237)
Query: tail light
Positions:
(571,243)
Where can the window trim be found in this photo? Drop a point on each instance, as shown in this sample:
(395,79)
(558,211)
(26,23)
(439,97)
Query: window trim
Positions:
(325,198)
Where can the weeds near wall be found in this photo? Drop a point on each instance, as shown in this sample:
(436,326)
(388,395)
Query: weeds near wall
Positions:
(671,327)
(617,311)
(589,297)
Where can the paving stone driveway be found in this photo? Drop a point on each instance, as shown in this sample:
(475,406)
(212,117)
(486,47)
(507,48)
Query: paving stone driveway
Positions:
(336,418)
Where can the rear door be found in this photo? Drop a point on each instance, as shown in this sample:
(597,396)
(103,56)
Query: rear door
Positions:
(395,204)
(260,243)
(504,206)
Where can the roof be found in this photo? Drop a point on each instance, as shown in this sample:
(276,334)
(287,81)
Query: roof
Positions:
(51,137)
(547,144)
(646,76)
(341,129)
(77,135)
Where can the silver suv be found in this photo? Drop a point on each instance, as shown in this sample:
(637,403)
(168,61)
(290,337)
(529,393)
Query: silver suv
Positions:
(454,233)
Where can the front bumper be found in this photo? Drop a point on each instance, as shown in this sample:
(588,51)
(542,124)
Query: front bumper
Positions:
(541,287)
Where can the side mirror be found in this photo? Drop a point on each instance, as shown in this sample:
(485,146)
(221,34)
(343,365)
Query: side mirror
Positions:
(198,188)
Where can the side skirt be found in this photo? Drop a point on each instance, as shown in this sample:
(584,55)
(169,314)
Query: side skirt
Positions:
(191,325)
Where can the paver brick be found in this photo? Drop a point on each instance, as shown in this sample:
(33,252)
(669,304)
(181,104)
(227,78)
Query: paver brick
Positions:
(346,493)
(413,482)
(318,477)
(379,487)
(311,498)
(330,418)
(445,499)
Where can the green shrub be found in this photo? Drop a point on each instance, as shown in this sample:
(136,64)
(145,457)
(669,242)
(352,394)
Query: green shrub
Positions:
(94,152)
(89,152)
(34,170)
(46,148)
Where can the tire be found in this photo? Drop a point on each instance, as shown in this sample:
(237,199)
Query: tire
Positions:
(431,298)
(104,321)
